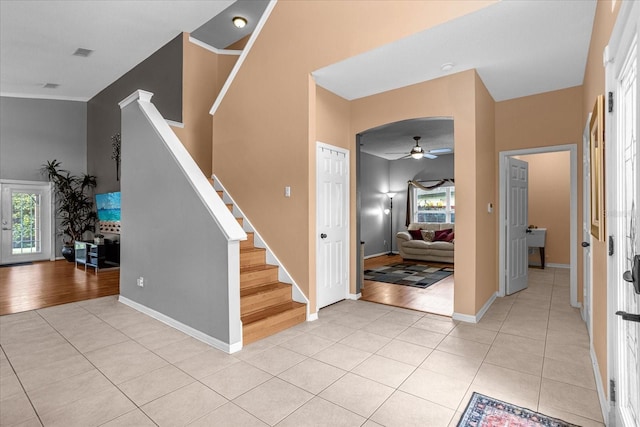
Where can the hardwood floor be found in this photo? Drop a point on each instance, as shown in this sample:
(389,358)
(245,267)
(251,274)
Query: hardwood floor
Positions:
(48,283)
(437,298)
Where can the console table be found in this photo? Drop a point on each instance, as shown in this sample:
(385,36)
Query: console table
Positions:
(97,256)
(536,238)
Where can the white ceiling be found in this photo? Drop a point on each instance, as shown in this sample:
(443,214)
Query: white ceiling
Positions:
(519,48)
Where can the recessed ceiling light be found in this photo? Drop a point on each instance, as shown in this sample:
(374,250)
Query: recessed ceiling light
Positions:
(447,66)
(50,85)
(82,52)
(239,21)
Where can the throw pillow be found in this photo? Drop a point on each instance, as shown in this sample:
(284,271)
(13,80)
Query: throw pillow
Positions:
(450,237)
(441,235)
(415,234)
(428,235)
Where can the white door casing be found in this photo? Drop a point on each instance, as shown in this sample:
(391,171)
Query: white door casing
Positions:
(332,227)
(623,196)
(517,258)
(586,228)
(33,200)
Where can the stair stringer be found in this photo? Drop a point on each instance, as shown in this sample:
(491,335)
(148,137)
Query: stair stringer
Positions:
(283,275)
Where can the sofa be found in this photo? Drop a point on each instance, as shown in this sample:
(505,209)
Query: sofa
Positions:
(427,241)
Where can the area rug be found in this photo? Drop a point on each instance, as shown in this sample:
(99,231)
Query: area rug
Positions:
(16,264)
(416,275)
(484,411)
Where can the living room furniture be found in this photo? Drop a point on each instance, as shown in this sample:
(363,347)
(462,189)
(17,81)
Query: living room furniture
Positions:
(536,238)
(103,255)
(420,249)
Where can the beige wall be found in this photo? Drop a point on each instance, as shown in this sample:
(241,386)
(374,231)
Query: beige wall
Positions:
(264,131)
(594,85)
(549,207)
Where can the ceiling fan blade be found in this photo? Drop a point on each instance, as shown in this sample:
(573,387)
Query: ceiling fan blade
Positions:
(440,151)
(430,156)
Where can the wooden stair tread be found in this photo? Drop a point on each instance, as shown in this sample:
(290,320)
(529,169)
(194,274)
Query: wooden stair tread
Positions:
(251,249)
(271,311)
(258,267)
(263,288)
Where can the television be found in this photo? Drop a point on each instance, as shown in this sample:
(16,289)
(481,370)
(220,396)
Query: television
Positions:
(108,208)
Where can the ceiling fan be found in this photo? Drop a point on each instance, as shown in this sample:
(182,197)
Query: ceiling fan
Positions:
(418,152)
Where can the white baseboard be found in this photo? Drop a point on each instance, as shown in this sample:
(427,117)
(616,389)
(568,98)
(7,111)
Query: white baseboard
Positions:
(207,339)
(475,319)
(312,316)
(549,264)
(380,254)
(354,296)
(604,403)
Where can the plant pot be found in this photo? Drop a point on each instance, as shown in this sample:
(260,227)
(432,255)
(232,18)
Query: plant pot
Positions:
(69,253)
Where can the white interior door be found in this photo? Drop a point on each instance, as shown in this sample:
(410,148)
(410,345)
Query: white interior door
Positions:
(625,226)
(25,210)
(332,256)
(517,216)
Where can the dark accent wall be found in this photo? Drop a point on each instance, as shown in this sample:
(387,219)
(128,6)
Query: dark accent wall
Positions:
(161,74)
(374,183)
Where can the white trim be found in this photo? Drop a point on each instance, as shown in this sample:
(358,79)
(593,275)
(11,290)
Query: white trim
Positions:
(549,264)
(207,339)
(216,207)
(47,97)
(214,49)
(312,317)
(233,279)
(175,124)
(604,403)
(245,52)
(475,319)
(573,214)
(354,297)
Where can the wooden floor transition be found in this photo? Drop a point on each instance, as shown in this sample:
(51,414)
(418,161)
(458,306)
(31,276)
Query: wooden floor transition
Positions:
(437,298)
(49,283)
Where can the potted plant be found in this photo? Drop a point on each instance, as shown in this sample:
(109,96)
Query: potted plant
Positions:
(74,204)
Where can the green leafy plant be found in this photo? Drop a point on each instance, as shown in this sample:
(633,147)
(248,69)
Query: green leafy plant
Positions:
(74,201)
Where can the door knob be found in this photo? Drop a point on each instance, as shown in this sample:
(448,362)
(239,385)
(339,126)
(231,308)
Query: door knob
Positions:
(585,244)
(323,236)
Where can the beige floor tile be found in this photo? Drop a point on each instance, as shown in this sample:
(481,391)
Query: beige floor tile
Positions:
(570,398)
(402,317)
(32,422)
(46,374)
(353,321)
(306,344)
(365,341)
(569,417)
(155,384)
(385,371)
(518,343)
(490,323)
(228,414)
(273,401)
(405,352)
(534,329)
(462,347)
(455,419)
(421,337)
(508,385)
(94,409)
(568,372)
(435,387)
(96,338)
(135,418)
(56,395)
(124,361)
(236,379)
(161,338)
(9,385)
(370,423)
(312,375)
(184,405)
(282,336)
(45,356)
(473,333)
(452,365)
(386,329)
(15,410)
(319,412)
(332,331)
(568,353)
(181,350)
(206,363)
(514,359)
(342,356)
(252,349)
(142,328)
(404,410)
(441,326)
(276,360)
(357,394)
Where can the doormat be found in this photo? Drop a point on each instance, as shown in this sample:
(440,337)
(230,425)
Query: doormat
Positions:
(416,275)
(484,411)
(16,264)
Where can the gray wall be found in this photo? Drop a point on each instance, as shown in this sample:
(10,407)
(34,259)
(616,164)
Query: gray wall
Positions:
(185,278)
(33,131)
(160,73)
(374,184)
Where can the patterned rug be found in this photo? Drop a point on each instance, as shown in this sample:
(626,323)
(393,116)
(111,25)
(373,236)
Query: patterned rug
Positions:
(484,411)
(419,276)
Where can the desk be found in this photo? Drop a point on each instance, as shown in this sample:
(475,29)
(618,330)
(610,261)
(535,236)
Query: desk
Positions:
(536,238)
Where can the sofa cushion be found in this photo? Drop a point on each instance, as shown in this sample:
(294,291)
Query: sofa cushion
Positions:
(422,245)
(427,235)
(415,234)
(441,235)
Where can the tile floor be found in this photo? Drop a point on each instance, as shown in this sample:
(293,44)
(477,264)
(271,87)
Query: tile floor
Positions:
(99,362)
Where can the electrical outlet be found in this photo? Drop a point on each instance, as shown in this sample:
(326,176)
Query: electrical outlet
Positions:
(287,191)
(141,281)
(385,243)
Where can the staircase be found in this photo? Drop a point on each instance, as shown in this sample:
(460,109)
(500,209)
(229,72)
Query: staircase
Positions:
(266,304)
